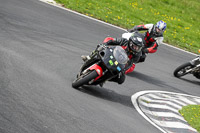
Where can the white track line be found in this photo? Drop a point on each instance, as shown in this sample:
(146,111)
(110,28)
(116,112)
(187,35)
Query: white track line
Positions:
(176,100)
(159,106)
(157,123)
(174,125)
(197,100)
(187,101)
(160,101)
(164,114)
(134,101)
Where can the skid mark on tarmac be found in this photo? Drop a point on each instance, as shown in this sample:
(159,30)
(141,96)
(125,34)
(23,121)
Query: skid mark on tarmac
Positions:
(161,108)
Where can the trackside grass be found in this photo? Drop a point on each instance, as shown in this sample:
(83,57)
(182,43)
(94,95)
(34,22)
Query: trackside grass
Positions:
(182,16)
(191,113)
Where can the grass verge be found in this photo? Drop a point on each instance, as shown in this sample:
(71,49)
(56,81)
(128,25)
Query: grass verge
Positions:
(191,113)
(181,16)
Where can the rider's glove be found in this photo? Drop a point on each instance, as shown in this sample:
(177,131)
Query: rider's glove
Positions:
(130,30)
(100,47)
(145,50)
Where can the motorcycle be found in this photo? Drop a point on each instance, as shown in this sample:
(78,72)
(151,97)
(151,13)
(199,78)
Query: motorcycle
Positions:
(105,64)
(191,67)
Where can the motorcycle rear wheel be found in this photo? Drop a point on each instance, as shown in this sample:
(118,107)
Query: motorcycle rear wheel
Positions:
(181,70)
(84,79)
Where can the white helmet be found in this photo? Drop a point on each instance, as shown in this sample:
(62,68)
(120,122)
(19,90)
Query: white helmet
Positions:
(160,27)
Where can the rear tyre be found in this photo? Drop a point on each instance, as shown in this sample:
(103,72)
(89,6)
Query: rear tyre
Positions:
(181,70)
(84,79)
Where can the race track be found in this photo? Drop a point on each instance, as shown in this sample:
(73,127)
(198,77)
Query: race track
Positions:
(40,49)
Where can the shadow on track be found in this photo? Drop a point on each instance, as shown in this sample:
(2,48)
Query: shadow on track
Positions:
(107,95)
(191,81)
(154,81)
(147,78)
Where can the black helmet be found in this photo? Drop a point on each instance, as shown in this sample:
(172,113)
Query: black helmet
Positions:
(136,42)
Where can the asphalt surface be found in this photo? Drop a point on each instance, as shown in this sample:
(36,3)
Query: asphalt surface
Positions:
(40,49)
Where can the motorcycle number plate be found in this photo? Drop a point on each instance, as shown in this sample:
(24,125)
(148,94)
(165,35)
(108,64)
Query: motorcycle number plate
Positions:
(111,62)
(116,63)
(118,68)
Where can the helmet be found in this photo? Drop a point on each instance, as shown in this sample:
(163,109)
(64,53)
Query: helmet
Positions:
(160,27)
(135,43)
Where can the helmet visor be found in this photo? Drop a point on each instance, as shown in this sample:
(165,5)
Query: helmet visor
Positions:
(135,47)
(159,31)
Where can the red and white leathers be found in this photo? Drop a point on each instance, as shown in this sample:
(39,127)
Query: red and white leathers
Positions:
(152,38)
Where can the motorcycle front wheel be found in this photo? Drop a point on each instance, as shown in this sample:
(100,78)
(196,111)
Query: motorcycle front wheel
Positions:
(182,70)
(84,79)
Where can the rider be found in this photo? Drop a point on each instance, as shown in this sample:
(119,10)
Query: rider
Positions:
(132,47)
(153,36)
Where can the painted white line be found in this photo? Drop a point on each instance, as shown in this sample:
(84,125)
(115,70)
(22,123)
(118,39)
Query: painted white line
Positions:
(57,5)
(187,101)
(158,106)
(197,100)
(174,125)
(161,96)
(134,101)
(161,101)
(179,102)
(155,96)
(49,1)
(160,124)
(164,114)
(179,49)
(176,100)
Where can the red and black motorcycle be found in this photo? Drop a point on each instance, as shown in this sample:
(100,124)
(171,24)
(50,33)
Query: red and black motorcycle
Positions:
(105,64)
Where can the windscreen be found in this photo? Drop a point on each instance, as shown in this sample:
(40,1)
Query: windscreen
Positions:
(120,55)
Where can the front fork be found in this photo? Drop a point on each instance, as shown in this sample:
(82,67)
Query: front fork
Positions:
(196,63)
(97,68)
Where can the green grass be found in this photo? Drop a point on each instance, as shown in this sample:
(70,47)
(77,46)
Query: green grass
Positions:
(191,113)
(181,16)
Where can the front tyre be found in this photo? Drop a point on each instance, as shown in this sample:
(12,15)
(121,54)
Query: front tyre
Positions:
(182,70)
(84,79)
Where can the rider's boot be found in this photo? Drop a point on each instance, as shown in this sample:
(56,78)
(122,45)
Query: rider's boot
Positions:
(101,84)
(85,58)
(88,57)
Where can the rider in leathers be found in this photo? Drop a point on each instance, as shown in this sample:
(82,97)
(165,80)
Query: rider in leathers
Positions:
(153,36)
(132,47)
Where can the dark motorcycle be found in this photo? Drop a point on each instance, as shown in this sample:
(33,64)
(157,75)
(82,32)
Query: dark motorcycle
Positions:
(105,64)
(191,67)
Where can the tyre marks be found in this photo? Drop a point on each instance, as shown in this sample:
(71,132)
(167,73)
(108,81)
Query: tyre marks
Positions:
(161,109)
